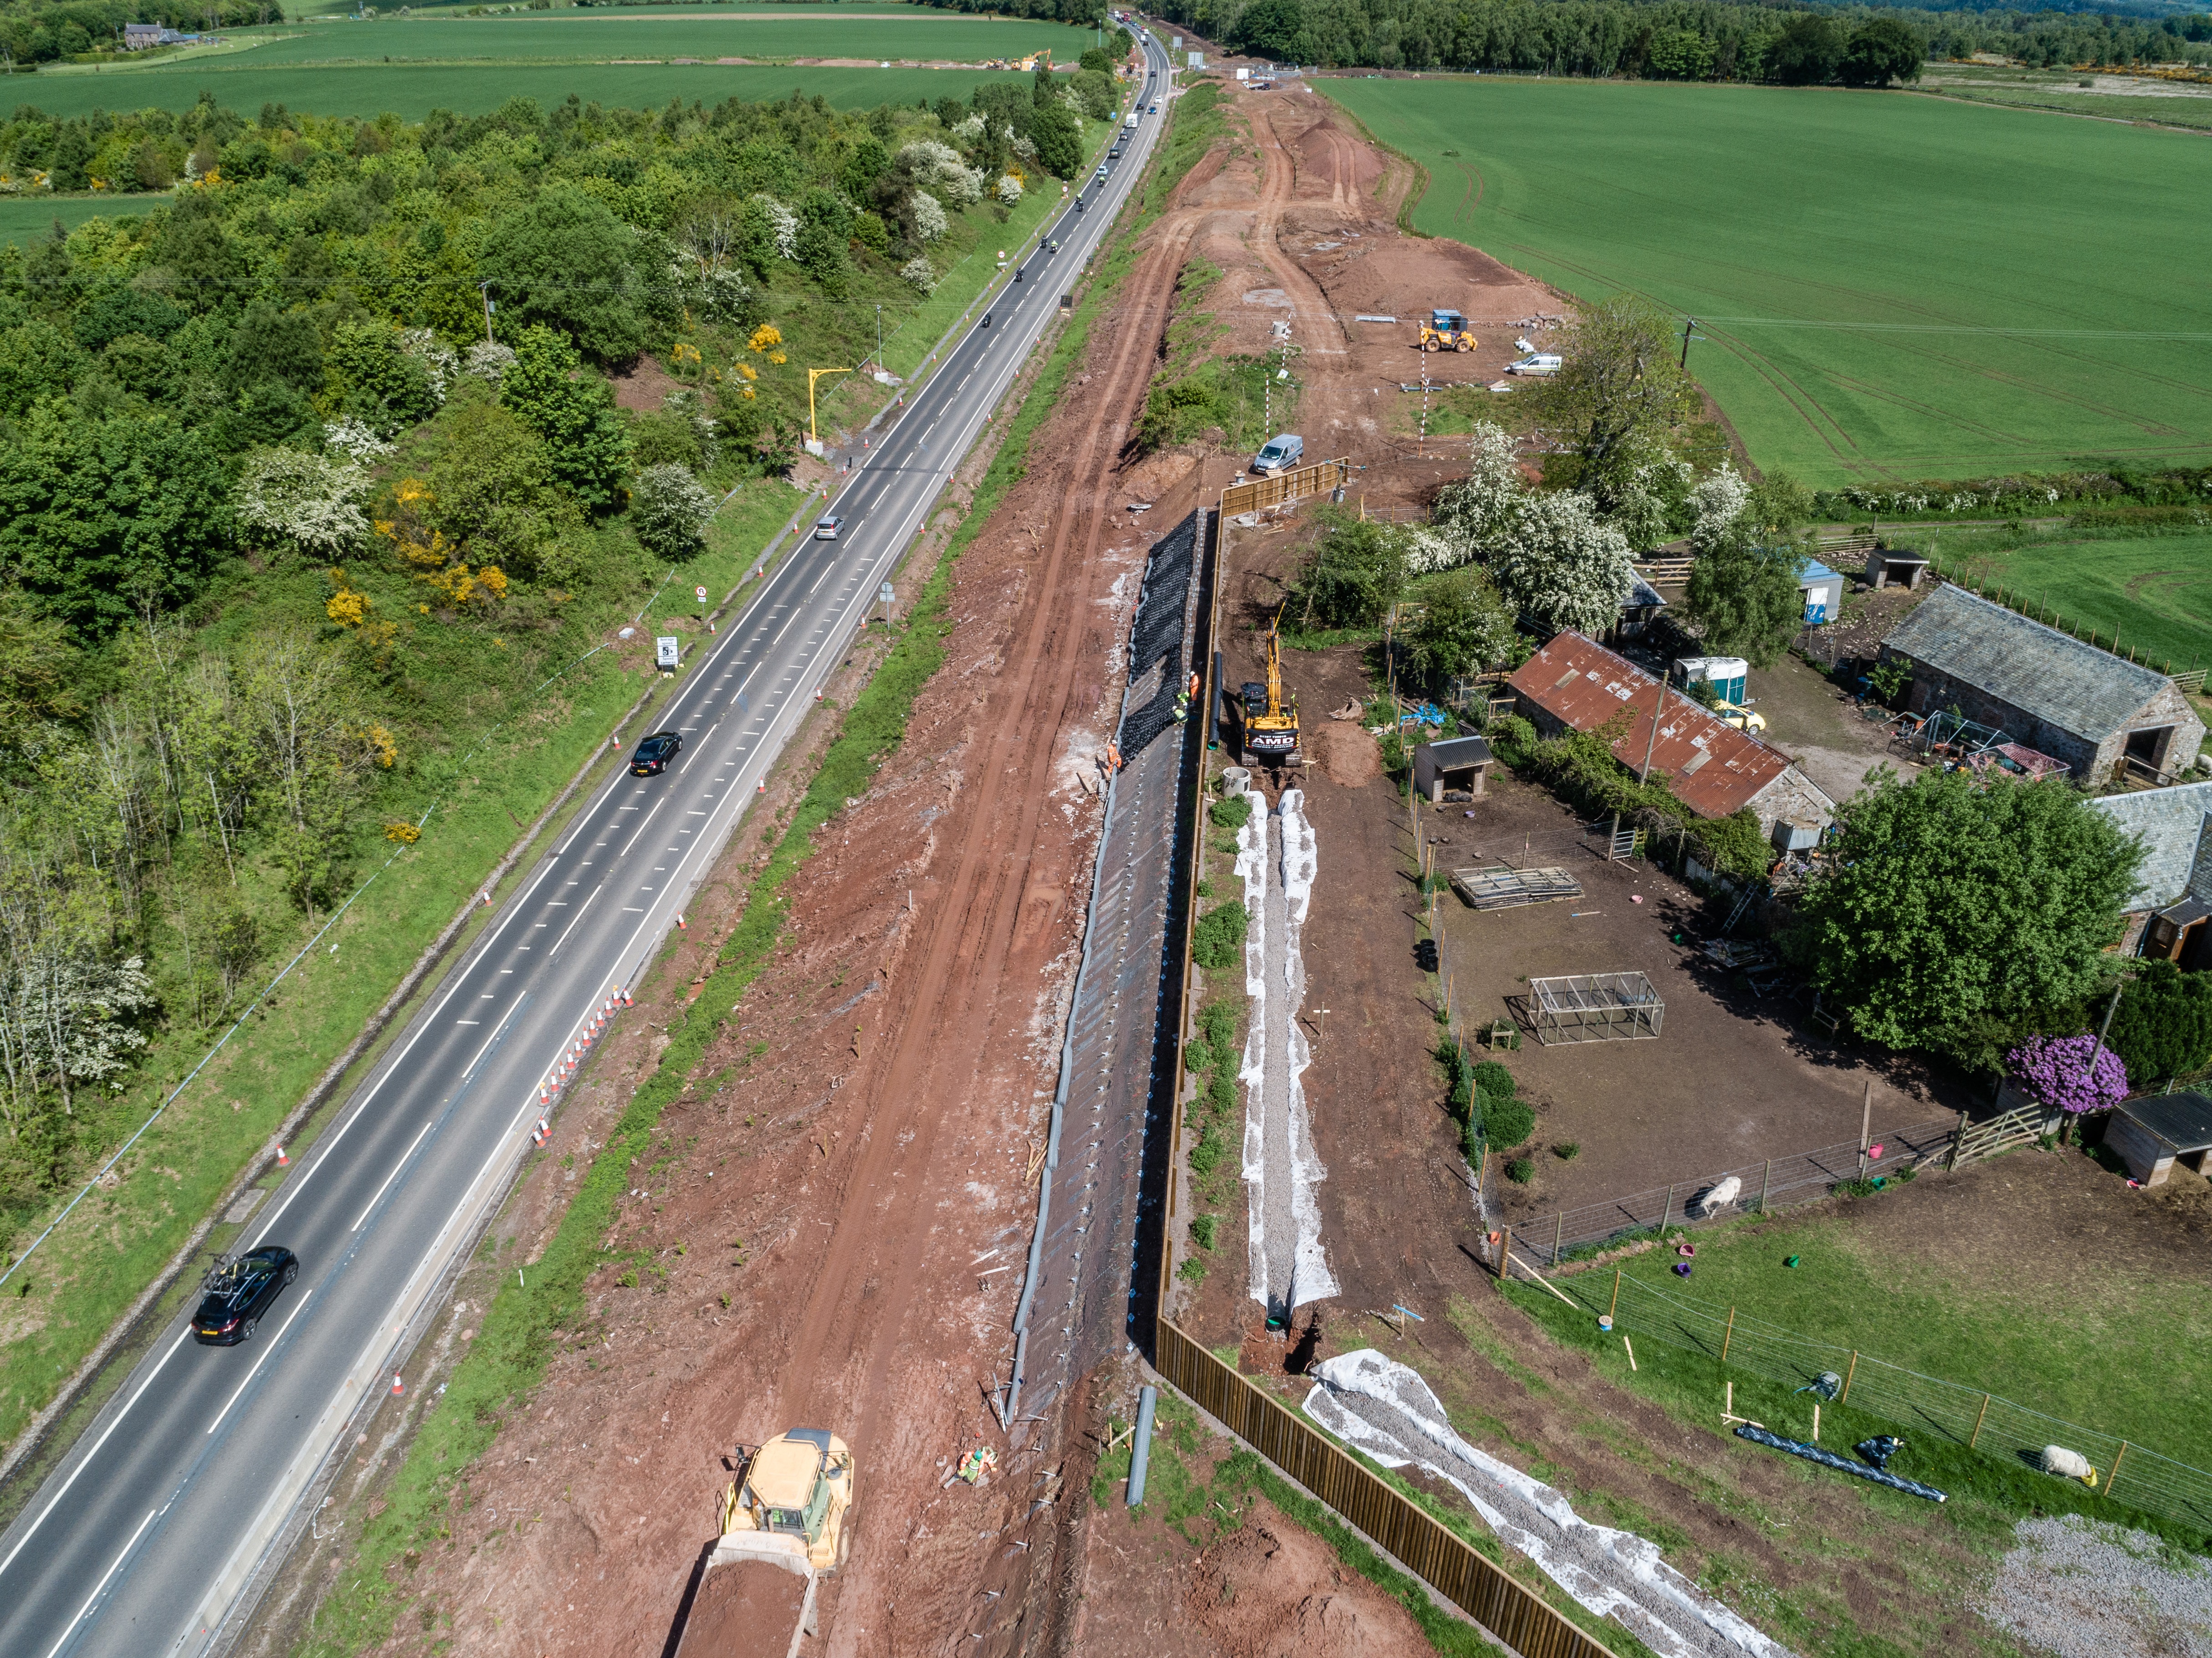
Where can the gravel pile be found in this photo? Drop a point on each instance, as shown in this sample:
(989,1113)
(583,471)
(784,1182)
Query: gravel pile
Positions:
(2081,1588)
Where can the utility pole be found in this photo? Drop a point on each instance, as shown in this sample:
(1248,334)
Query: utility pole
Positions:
(485,287)
(879,339)
(1688,323)
(1658,713)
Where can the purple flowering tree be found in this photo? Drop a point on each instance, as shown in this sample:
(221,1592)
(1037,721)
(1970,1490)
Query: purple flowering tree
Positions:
(2057,1070)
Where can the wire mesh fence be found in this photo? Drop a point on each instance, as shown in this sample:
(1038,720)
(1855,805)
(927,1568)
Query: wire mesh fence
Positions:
(1971,1416)
(1564,1235)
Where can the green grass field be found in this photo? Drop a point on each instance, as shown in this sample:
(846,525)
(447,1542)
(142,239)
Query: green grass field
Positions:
(413,91)
(2154,592)
(1889,288)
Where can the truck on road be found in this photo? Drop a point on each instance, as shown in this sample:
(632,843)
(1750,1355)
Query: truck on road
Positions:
(784,1521)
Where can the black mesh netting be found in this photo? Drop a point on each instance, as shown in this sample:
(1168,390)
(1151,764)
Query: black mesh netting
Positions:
(1141,725)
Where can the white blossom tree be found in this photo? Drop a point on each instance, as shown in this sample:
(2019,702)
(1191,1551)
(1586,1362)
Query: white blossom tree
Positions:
(783,227)
(312,501)
(356,438)
(929,219)
(488,359)
(1561,567)
(939,169)
(1718,502)
(669,509)
(1010,189)
(918,273)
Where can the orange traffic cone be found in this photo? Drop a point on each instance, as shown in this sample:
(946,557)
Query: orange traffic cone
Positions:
(679,921)
(398,1385)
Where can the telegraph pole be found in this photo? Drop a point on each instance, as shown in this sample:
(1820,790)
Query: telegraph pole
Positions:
(1688,323)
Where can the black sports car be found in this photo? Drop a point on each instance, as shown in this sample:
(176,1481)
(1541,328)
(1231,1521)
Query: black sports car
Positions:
(654,753)
(240,1291)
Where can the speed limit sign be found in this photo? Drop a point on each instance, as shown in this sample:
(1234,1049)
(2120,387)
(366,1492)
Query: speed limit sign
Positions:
(700,594)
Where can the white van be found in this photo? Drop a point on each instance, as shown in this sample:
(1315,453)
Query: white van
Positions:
(1536,363)
(1283,452)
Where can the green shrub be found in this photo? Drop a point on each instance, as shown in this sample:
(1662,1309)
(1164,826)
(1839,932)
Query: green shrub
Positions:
(1191,1271)
(1219,935)
(1512,739)
(1506,1122)
(1521,1170)
(1197,1056)
(1232,813)
(1212,1145)
(1567,1150)
(1203,1228)
(1494,1080)
(1221,1093)
(1219,1020)
(1470,1140)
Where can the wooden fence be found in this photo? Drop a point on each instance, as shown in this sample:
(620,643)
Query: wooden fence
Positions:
(2019,1127)
(1512,1612)
(1285,487)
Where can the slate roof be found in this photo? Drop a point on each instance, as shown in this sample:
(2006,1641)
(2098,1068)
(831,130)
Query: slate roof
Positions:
(1713,768)
(1642,596)
(2184,1121)
(2173,825)
(2039,670)
(1454,753)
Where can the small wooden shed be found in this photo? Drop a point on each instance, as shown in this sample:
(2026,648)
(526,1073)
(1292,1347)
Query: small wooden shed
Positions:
(2154,1133)
(1457,764)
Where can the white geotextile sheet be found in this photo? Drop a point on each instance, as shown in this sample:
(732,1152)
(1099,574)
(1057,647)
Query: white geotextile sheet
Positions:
(1384,1408)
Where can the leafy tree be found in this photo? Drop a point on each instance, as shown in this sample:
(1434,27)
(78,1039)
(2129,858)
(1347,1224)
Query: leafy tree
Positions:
(1058,142)
(311,502)
(39,674)
(670,510)
(568,262)
(1274,29)
(1464,627)
(1098,95)
(869,161)
(111,312)
(1618,396)
(1957,914)
(72,168)
(1743,596)
(1806,52)
(493,487)
(378,381)
(586,443)
(1679,55)
(1357,572)
(1882,49)
(284,346)
(1099,59)
(2163,1025)
(97,515)
(1560,567)
(37,359)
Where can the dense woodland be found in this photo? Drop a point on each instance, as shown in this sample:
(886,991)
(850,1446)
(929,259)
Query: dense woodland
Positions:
(1649,39)
(279,522)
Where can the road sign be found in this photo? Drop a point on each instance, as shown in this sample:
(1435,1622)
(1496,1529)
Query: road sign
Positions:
(700,594)
(884,595)
(670,651)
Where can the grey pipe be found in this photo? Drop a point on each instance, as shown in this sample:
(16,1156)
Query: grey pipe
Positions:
(1141,1449)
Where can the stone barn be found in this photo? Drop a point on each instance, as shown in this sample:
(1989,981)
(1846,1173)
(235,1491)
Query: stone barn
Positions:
(2105,717)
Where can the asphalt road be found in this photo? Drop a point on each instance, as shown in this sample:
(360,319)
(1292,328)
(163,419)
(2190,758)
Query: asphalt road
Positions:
(144,1540)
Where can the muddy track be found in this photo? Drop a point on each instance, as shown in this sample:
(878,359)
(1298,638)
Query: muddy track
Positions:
(1279,190)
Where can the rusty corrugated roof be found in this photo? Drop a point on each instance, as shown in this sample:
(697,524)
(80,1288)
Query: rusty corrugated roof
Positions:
(1713,768)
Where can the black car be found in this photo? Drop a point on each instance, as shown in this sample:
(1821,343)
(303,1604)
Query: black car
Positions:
(653,754)
(987,319)
(240,1291)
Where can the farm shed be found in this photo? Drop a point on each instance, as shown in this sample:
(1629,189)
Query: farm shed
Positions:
(2105,716)
(2173,900)
(1639,610)
(1885,565)
(2152,1133)
(1822,590)
(1456,762)
(1715,770)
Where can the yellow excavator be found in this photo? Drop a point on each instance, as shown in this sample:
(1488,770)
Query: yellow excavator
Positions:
(1271,720)
(783,1528)
(1446,330)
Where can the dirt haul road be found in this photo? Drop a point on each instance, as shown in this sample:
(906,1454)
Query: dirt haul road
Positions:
(831,1230)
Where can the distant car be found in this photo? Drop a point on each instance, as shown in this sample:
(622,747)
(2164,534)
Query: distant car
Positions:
(653,754)
(1053,247)
(1154,109)
(1743,718)
(987,319)
(1537,363)
(826,529)
(239,1294)
(1114,154)
(1081,206)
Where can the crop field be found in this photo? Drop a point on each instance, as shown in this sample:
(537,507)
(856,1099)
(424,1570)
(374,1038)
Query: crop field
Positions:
(1885,287)
(413,65)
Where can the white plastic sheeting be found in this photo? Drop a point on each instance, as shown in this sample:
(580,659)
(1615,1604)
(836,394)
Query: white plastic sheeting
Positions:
(1287,1266)
(1385,1409)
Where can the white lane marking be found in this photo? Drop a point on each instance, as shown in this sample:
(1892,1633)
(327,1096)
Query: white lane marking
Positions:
(268,1347)
(511,1012)
(90,1456)
(571,927)
(640,829)
(394,1174)
(100,1587)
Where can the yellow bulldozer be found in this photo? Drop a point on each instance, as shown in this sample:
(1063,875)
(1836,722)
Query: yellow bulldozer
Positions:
(1446,330)
(1270,719)
(784,1521)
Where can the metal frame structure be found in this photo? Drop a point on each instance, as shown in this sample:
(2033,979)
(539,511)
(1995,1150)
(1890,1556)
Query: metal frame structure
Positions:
(1500,886)
(1596,1007)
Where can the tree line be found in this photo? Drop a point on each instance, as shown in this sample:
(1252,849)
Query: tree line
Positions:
(1658,39)
(285,502)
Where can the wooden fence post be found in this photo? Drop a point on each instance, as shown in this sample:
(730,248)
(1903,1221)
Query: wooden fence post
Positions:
(1844,1398)
(1976,1436)
(1558,1227)
(1765,1180)
(1728,1335)
(1614,1306)
(1504,1250)
(1665,1211)
(2115,1473)
(1958,1140)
